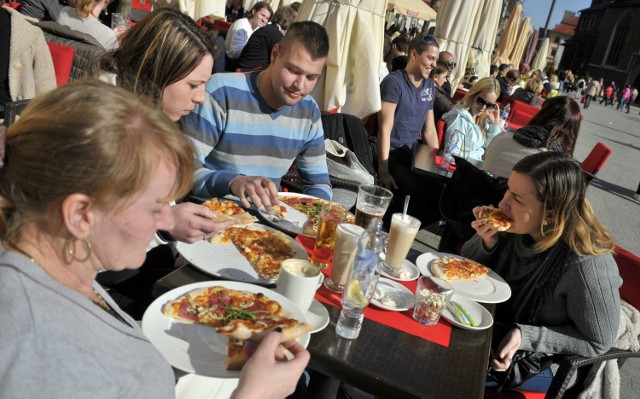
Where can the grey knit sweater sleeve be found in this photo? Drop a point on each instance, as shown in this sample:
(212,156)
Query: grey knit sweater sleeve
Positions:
(583,314)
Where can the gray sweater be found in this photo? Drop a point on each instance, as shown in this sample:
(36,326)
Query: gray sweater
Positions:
(54,342)
(583,313)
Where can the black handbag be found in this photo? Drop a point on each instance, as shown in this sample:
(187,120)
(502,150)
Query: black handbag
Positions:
(524,365)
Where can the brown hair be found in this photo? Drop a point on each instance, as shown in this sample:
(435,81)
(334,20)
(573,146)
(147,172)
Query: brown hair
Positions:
(284,17)
(311,35)
(84,7)
(85,137)
(259,6)
(160,50)
(560,116)
(561,189)
(534,85)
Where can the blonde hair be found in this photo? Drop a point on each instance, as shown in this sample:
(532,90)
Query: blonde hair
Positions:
(84,7)
(561,189)
(534,85)
(484,85)
(85,137)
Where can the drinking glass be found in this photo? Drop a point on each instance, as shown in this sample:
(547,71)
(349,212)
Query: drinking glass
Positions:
(331,216)
(401,235)
(372,203)
(120,22)
(344,253)
(432,296)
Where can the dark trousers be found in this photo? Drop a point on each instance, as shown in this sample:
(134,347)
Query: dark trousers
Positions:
(587,101)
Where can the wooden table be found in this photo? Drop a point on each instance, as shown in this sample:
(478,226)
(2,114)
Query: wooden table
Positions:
(384,361)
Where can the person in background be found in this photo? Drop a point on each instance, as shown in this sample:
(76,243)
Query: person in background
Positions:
(474,121)
(624,98)
(508,83)
(84,18)
(252,126)
(95,206)
(447,60)
(257,52)
(397,56)
(531,92)
(580,85)
(493,71)
(557,259)
(593,88)
(632,99)
(554,85)
(234,10)
(442,104)
(296,5)
(554,128)
(608,93)
(42,10)
(26,68)
(242,29)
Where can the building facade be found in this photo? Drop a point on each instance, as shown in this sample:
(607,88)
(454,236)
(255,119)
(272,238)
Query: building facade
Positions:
(606,43)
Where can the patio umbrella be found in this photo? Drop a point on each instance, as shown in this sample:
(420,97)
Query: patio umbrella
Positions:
(531,46)
(540,61)
(412,8)
(509,36)
(350,81)
(456,26)
(485,37)
(521,42)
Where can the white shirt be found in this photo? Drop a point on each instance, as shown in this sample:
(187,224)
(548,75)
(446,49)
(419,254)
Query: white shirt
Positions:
(237,37)
(89,25)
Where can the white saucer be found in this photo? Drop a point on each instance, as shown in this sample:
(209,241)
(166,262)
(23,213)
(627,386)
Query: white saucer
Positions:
(477,312)
(403,298)
(317,316)
(413,270)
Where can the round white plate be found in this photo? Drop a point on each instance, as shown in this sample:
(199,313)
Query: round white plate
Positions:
(317,316)
(403,298)
(294,220)
(488,289)
(478,313)
(224,260)
(195,348)
(407,266)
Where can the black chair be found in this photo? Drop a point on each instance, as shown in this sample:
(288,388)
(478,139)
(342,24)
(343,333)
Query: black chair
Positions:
(12,110)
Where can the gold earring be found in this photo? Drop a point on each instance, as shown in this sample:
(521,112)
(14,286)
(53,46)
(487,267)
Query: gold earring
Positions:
(70,247)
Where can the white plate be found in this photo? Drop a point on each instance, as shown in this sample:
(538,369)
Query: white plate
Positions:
(317,316)
(414,273)
(489,289)
(404,298)
(224,260)
(478,313)
(196,348)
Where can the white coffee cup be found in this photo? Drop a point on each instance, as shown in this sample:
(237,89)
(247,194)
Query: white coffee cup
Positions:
(299,280)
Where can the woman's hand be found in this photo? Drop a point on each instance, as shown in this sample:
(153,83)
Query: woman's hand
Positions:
(489,236)
(194,222)
(507,349)
(494,115)
(268,374)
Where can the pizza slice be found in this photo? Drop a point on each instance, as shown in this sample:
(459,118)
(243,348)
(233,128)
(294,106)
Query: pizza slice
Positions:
(495,218)
(452,269)
(229,210)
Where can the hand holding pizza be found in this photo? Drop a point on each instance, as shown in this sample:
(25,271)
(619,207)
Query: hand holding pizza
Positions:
(488,235)
(261,190)
(193,222)
(268,374)
(507,349)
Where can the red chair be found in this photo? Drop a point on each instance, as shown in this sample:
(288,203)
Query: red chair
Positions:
(521,113)
(441,127)
(62,57)
(458,95)
(595,161)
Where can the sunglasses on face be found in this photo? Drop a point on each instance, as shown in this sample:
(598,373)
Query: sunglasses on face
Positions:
(450,64)
(484,102)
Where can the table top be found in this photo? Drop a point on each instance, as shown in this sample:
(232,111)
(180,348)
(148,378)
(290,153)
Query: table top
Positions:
(385,361)
(424,162)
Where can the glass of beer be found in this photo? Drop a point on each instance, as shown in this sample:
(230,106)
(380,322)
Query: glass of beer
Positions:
(372,203)
(330,218)
(344,253)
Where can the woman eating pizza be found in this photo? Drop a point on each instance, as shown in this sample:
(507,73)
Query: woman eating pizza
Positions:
(556,256)
(86,178)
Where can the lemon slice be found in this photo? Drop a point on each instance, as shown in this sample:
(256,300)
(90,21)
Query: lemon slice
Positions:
(355,294)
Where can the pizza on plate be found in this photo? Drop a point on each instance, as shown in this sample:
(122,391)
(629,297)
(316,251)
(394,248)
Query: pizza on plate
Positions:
(495,218)
(311,207)
(449,268)
(229,210)
(240,315)
(264,249)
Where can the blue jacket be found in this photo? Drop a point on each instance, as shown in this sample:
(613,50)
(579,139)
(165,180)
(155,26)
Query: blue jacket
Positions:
(464,136)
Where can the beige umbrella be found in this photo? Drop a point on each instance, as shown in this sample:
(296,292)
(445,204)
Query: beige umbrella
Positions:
(521,42)
(350,81)
(509,36)
(540,60)
(485,37)
(456,26)
(412,8)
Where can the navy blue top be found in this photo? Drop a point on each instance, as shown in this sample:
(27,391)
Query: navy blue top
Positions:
(412,102)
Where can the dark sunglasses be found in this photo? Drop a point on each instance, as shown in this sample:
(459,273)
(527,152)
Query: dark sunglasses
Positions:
(484,102)
(426,39)
(450,64)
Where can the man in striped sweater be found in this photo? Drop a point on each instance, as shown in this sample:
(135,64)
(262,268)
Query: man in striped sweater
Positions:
(252,126)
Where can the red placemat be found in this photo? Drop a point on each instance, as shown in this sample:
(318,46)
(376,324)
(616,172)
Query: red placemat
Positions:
(403,321)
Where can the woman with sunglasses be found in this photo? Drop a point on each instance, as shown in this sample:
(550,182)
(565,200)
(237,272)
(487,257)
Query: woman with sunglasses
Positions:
(474,121)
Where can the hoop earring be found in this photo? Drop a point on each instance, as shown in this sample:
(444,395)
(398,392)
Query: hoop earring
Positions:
(544,223)
(70,247)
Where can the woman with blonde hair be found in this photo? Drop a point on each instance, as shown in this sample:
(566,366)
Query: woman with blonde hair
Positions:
(84,18)
(531,92)
(113,163)
(474,121)
(556,257)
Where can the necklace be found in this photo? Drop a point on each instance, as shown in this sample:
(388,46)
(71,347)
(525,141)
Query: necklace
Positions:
(100,301)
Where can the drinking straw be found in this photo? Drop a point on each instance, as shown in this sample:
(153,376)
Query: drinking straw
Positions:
(406,205)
